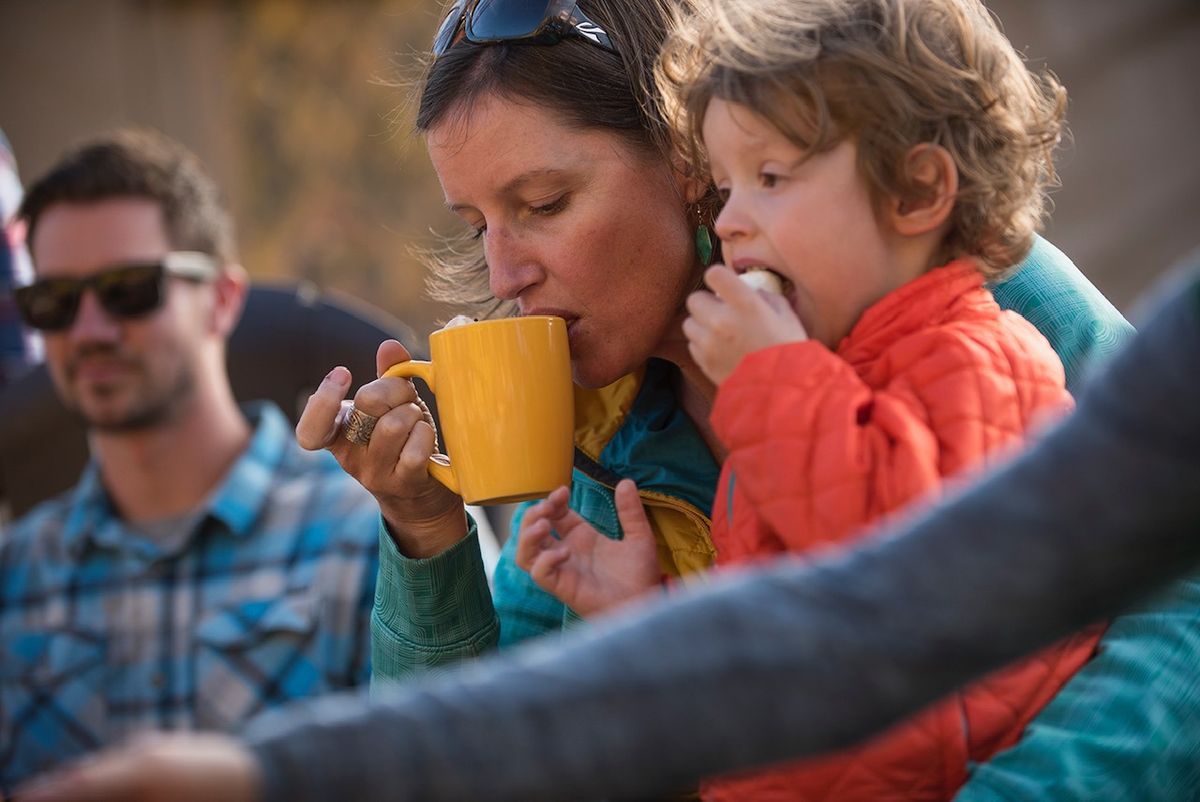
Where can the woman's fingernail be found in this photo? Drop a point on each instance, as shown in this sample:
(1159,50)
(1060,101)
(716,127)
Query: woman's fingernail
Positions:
(338,375)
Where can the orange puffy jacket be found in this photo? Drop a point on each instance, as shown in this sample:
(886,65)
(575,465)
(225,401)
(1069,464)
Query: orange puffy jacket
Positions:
(932,380)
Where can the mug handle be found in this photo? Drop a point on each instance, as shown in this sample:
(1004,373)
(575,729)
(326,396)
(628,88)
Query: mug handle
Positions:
(439,465)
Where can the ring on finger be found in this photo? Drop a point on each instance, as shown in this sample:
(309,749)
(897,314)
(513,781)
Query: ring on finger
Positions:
(359,426)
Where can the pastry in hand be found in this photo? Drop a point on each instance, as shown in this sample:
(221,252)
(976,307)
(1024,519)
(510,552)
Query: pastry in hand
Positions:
(763,279)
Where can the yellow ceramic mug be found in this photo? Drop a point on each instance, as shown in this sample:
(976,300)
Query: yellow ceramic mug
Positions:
(505,405)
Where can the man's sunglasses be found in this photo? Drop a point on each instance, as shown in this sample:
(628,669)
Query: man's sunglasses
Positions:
(127,291)
(544,22)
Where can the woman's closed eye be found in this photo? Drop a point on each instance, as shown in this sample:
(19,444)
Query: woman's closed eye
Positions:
(551,208)
(548,209)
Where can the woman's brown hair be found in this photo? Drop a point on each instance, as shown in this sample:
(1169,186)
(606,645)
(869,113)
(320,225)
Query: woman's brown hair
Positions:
(588,87)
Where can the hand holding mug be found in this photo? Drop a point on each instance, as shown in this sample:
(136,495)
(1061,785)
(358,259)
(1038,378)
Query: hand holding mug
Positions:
(423,516)
(507,407)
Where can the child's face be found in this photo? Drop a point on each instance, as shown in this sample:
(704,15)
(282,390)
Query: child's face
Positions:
(811,220)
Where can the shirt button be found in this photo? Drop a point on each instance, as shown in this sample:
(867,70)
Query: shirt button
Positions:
(158,680)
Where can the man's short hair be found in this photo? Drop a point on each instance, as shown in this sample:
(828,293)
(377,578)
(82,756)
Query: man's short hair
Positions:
(140,163)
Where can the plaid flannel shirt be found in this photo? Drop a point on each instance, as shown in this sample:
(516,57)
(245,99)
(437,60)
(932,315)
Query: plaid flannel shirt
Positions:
(268,599)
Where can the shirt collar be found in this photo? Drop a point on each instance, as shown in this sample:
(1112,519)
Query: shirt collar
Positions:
(244,493)
(237,501)
(927,300)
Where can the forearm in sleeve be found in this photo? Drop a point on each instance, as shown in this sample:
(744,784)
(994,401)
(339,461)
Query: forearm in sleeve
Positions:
(430,613)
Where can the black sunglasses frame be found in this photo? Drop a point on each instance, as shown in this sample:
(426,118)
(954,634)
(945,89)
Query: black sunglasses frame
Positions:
(52,304)
(560,20)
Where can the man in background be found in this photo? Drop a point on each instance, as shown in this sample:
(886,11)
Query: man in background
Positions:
(204,567)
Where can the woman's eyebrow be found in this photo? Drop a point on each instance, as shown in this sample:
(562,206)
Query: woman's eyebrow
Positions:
(531,176)
(517,183)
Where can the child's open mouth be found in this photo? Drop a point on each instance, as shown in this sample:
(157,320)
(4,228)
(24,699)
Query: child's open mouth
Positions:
(765,279)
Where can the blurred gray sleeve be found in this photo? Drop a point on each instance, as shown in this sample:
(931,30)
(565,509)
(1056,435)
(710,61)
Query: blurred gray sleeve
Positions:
(800,658)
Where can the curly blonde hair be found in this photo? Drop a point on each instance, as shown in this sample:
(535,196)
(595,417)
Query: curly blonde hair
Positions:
(892,74)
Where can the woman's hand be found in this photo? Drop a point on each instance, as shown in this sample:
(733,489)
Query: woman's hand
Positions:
(424,518)
(734,320)
(156,768)
(587,571)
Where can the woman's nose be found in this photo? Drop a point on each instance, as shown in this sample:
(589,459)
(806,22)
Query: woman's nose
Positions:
(513,267)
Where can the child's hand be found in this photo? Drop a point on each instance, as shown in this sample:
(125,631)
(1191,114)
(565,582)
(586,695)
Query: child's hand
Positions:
(584,569)
(733,320)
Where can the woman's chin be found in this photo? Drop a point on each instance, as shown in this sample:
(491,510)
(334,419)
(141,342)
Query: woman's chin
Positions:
(593,376)
(586,380)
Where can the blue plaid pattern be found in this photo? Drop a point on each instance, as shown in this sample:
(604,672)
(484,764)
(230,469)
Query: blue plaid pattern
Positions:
(268,599)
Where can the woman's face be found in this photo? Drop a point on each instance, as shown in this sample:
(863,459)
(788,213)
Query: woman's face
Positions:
(574,223)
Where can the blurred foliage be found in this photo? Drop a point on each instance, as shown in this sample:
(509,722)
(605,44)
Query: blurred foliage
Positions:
(332,185)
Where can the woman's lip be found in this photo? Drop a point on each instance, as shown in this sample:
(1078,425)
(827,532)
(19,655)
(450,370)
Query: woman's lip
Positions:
(564,314)
(546,310)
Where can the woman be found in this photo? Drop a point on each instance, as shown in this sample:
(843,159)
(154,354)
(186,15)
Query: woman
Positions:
(555,154)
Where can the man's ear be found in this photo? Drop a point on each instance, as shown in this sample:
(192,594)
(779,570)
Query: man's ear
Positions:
(933,176)
(230,286)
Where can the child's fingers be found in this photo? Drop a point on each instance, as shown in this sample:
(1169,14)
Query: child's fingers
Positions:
(532,540)
(731,289)
(631,514)
(787,321)
(694,330)
(559,513)
(535,514)
(545,570)
(549,508)
(556,504)
(702,305)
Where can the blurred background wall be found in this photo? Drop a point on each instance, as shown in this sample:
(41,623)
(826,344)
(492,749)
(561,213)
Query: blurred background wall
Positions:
(285,100)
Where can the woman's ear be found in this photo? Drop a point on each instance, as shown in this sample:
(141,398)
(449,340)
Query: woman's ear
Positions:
(692,187)
(933,176)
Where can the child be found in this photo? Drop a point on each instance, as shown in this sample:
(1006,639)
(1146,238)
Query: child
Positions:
(884,158)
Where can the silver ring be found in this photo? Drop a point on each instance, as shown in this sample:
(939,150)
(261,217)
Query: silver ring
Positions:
(359,426)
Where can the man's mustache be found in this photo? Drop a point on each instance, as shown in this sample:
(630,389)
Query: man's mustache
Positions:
(97,351)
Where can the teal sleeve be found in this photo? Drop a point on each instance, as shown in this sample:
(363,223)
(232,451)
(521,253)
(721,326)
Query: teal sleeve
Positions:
(526,610)
(430,613)
(1048,290)
(1126,727)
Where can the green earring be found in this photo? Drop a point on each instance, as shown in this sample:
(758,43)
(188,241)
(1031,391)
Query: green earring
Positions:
(704,244)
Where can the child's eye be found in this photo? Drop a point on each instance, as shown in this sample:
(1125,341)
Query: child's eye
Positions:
(769,180)
(723,194)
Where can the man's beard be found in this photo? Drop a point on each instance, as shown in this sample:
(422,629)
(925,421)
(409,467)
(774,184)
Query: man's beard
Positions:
(155,406)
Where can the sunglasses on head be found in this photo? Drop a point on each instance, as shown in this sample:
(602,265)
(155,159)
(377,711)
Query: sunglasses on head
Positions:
(124,291)
(544,22)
